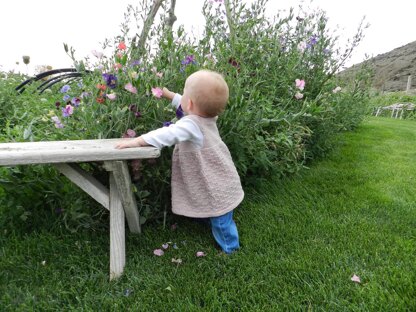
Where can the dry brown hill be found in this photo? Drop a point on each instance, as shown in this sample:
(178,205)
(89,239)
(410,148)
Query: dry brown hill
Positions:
(392,69)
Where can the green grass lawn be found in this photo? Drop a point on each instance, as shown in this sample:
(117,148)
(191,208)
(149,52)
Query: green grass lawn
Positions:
(302,240)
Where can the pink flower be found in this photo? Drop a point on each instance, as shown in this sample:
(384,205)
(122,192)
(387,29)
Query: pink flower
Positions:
(298,95)
(158,252)
(131,133)
(67,110)
(131,88)
(160,75)
(122,46)
(157,92)
(200,254)
(337,89)
(300,84)
(356,279)
(112,96)
(117,66)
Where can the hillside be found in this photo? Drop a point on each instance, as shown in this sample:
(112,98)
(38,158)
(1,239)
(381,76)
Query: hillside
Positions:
(391,69)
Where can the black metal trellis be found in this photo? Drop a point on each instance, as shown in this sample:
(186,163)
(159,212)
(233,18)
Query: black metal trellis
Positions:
(58,75)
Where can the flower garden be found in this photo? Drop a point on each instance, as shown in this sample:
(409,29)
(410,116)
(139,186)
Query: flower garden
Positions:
(286,103)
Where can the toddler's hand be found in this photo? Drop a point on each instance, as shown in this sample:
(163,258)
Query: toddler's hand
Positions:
(136,142)
(167,94)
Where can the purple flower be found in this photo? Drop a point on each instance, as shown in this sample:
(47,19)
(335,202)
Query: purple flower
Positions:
(65,89)
(132,107)
(138,114)
(57,122)
(136,63)
(189,59)
(75,101)
(67,111)
(57,104)
(312,41)
(179,112)
(66,97)
(167,123)
(110,80)
(84,95)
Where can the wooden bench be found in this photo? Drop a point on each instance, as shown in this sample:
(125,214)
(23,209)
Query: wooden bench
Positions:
(118,199)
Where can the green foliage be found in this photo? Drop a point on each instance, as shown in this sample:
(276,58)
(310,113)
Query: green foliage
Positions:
(285,102)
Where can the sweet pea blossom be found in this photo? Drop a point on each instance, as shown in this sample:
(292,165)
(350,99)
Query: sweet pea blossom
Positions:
(189,59)
(121,46)
(110,80)
(300,84)
(298,95)
(130,133)
(312,41)
(76,101)
(200,254)
(57,122)
(179,112)
(65,89)
(337,89)
(67,111)
(157,92)
(158,252)
(111,96)
(302,46)
(131,88)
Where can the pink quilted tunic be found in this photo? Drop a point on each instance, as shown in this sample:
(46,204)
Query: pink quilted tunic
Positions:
(205,182)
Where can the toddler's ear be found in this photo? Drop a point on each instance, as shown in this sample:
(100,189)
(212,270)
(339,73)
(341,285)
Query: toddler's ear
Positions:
(190,105)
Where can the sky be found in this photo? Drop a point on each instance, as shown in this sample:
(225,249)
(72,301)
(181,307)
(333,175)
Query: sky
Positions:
(39,28)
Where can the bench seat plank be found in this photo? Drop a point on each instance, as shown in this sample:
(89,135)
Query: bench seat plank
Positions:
(48,152)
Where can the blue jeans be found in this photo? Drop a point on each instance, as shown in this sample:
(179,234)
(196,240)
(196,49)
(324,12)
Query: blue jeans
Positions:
(225,232)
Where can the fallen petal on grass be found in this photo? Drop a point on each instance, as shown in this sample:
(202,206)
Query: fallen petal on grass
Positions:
(165,246)
(356,279)
(158,252)
(200,254)
(177,261)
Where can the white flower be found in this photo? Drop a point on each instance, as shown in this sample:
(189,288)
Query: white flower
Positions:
(337,89)
(302,46)
(97,54)
(298,95)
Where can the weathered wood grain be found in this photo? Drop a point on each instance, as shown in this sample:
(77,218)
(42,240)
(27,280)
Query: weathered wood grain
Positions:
(86,182)
(117,232)
(48,152)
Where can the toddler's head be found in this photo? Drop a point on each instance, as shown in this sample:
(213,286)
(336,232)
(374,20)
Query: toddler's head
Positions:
(208,92)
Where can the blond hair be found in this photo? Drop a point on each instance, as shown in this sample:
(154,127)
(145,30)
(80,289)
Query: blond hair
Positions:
(208,91)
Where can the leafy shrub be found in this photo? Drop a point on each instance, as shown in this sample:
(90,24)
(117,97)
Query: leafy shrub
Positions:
(285,101)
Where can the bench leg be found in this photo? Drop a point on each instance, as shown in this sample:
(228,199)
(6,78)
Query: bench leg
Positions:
(121,174)
(117,232)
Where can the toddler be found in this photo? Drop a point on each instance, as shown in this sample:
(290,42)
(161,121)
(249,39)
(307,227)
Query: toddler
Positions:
(205,182)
